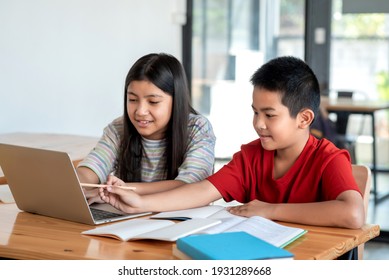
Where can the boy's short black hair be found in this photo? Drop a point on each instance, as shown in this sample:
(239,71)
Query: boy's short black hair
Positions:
(293,79)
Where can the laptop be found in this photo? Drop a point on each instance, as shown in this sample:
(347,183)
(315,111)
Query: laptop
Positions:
(45,182)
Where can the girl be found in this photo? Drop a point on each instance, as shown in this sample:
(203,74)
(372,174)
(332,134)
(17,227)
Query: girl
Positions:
(160,137)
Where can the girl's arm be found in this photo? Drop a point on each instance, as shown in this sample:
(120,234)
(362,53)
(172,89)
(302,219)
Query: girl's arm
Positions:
(199,158)
(86,175)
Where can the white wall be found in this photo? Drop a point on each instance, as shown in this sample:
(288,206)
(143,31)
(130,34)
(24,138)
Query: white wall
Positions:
(63,62)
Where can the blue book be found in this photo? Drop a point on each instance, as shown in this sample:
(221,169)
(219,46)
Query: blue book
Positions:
(229,246)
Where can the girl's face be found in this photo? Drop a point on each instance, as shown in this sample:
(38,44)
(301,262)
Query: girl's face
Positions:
(272,121)
(149,109)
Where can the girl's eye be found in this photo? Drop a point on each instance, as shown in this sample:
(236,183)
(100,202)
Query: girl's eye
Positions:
(154,102)
(131,100)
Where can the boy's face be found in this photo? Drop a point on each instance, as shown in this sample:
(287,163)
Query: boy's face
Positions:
(272,121)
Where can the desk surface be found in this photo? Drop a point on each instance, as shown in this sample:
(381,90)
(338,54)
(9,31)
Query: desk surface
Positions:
(351,105)
(75,145)
(28,236)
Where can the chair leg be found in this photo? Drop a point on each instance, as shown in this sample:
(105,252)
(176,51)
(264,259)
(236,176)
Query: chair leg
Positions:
(361,248)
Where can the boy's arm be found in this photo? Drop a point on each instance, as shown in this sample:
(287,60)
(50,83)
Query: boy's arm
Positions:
(143,188)
(183,197)
(86,175)
(346,211)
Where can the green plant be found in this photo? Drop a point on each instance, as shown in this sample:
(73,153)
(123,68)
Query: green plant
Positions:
(382,78)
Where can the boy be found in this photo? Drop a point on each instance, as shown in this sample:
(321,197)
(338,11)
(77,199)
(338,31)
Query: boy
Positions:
(286,175)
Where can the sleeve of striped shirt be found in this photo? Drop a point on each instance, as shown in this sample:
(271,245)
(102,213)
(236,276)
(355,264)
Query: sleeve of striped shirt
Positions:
(102,158)
(200,156)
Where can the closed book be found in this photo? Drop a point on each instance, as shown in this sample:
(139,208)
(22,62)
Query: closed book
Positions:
(229,246)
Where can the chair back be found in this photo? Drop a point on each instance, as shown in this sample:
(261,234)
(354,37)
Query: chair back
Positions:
(362,176)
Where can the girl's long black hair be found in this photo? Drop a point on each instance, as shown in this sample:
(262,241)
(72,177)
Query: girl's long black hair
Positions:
(167,73)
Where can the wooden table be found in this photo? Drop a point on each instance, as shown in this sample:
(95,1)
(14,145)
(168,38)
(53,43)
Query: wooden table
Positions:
(75,145)
(362,107)
(28,236)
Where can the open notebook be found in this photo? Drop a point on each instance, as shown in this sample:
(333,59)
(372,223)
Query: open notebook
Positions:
(45,182)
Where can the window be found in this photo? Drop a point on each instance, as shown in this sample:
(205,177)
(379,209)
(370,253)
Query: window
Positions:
(360,63)
(231,39)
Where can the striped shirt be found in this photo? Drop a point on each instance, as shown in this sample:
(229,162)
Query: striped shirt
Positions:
(198,160)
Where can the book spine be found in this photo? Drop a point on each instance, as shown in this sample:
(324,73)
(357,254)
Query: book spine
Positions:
(191,251)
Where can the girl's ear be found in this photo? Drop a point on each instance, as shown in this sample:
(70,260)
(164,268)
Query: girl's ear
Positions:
(306,117)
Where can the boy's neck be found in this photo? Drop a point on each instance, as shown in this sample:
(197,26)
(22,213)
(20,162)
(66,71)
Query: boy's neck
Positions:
(285,158)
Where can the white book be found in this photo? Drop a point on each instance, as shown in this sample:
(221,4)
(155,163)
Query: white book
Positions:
(200,212)
(152,229)
(265,229)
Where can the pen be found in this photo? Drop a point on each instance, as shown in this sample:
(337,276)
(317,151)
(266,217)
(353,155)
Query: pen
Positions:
(87,185)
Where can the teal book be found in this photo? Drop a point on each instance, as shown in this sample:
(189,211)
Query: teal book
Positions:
(229,246)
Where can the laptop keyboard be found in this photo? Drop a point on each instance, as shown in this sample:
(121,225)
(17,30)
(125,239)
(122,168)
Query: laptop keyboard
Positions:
(102,215)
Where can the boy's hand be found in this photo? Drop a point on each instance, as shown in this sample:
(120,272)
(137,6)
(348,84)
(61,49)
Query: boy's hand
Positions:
(114,181)
(123,199)
(253,208)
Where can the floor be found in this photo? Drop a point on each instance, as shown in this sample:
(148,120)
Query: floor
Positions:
(379,214)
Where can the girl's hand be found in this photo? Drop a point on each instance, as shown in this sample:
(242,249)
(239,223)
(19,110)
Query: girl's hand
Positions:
(92,195)
(123,199)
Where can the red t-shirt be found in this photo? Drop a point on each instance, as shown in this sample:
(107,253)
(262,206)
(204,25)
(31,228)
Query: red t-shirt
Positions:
(320,173)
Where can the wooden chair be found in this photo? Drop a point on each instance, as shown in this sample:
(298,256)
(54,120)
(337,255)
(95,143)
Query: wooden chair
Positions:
(362,175)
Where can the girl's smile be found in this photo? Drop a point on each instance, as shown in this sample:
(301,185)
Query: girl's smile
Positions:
(149,109)
(143,123)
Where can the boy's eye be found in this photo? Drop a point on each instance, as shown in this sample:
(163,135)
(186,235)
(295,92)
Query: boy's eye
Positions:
(131,100)
(269,115)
